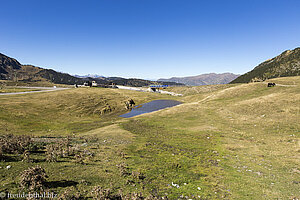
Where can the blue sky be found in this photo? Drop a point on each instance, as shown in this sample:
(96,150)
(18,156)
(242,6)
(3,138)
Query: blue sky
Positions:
(148,38)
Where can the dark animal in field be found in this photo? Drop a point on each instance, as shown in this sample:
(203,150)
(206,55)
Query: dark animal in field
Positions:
(129,104)
(271,84)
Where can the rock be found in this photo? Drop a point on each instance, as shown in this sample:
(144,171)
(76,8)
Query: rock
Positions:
(84,144)
(296,182)
(258,173)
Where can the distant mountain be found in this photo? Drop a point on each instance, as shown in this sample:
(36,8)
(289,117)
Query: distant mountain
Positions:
(286,64)
(11,69)
(89,76)
(138,82)
(203,79)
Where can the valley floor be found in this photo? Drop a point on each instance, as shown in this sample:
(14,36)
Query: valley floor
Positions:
(236,141)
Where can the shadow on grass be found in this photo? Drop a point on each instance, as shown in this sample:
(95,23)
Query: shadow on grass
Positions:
(37,152)
(10,158)
(38,160)
(63,183)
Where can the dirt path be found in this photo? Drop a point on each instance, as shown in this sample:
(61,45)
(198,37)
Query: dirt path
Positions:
(42,89)
(286,85)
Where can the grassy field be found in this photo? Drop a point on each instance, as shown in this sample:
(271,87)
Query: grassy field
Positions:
(237,141)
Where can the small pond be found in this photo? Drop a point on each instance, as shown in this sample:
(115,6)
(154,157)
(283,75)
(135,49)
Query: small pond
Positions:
(150,107)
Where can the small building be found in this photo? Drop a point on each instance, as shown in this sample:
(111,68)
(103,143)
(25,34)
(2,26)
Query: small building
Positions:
(90,84)
(155,88)
(94,84)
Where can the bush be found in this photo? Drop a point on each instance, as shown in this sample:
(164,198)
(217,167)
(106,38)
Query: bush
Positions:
(33,178)
(102,194)
(26,156)
(70,194)
(79,158)
(59,150)
(34,146)
(65,147)
(14,144)
(52,153)
(133,196)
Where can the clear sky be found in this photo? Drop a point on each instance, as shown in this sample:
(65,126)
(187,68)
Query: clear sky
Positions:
(148,38)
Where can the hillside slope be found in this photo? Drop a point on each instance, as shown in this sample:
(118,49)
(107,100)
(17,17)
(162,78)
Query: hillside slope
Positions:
(11,69)
(286,64)
(203,79)
(7,66)
(239,142)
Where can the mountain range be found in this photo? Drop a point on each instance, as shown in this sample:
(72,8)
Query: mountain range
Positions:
(204,79)
(11,69)
(286,64)
(89,76)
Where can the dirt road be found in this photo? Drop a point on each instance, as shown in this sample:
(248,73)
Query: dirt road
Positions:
(41,89)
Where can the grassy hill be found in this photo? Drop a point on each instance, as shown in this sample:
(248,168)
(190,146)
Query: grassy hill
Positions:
(203,79)
(236,141)
(286,64)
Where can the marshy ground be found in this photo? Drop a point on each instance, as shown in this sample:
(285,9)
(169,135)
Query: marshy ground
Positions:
(237,141)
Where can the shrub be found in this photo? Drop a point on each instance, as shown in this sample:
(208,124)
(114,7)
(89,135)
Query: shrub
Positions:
(51,153)
(64,147)
(102,194)
(70,194)
(107,194)
(79,157)
(59,150)
(14,144)
(26,156)
(33,178)
(73,150)
(34,146)
(133,196)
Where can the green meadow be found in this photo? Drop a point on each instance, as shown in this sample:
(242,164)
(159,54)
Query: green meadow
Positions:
(235,141)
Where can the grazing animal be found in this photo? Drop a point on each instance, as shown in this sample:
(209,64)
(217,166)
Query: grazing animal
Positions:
(129,104)
(271,84)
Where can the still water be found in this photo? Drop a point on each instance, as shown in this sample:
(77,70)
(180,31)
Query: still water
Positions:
(150,107)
